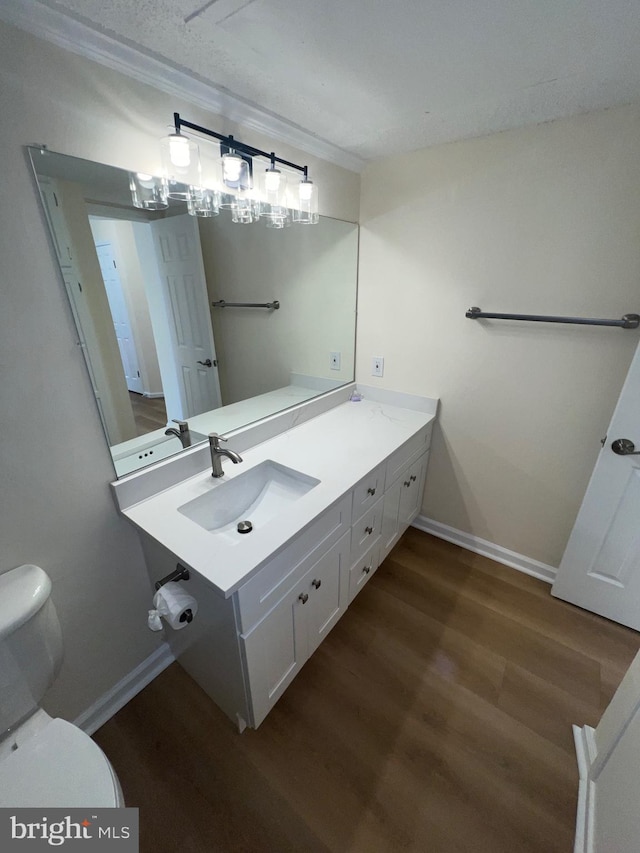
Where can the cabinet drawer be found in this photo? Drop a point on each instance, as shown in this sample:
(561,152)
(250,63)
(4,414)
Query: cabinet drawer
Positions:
(368,490)
(409,450)
(362,570)
(366,530)
(275,579)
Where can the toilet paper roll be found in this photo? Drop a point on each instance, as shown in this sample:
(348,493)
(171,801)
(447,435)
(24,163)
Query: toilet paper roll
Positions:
(172,603)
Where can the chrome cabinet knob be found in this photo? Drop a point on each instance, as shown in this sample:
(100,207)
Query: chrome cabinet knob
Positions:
(413,478)
(303,597)
(407,483)
(366,569)
(316,583)
(368,530)
(371,491)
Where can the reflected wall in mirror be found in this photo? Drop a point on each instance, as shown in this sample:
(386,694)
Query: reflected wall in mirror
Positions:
(142,284)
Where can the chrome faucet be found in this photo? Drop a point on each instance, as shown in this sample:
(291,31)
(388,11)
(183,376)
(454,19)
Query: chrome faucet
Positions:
(218,452)
(182,432)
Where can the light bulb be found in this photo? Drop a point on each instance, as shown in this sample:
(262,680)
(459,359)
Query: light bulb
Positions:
(179,150)
(232,165)
(272,180)
(305,189)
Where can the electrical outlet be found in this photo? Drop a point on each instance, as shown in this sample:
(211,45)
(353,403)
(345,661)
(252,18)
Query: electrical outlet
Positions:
(334,360)
(377,365)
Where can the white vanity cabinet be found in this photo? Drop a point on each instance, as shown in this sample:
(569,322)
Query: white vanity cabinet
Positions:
(261,617)
(276,648)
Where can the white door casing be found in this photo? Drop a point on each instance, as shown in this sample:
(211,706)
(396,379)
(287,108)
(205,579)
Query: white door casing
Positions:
(179,259)
(120,315)
(600,568)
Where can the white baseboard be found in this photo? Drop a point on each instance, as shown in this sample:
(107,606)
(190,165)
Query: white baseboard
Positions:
(116,698)
(488,549)
(585,753)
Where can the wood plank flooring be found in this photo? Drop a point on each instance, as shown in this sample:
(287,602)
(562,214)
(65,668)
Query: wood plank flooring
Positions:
(435,717)
(149,413)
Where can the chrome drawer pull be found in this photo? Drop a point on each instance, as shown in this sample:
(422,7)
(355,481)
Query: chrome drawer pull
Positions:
(368,530)
(371,491)
(316,583)
(366,569)
(413,478)
(407,483)
(303,597)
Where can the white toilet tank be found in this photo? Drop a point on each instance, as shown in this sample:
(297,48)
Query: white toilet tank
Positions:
(30,642)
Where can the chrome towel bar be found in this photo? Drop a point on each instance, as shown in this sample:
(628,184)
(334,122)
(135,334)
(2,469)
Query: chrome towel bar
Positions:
(628,321)
(272,306)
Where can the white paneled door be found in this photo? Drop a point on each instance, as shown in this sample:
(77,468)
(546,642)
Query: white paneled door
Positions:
(600,569)
(120,316)
(179,257)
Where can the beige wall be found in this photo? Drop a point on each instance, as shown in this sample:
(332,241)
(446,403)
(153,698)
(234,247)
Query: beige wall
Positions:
(56,509)
(544,220)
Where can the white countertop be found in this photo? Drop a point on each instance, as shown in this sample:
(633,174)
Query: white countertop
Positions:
(339,448)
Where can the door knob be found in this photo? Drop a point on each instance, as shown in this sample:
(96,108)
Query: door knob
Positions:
(624,447)
(208,363)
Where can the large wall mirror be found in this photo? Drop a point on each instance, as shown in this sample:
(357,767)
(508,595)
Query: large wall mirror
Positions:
(169,310)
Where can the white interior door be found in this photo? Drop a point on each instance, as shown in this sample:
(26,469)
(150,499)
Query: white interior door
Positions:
(179,258)
(600,569)
(120,315)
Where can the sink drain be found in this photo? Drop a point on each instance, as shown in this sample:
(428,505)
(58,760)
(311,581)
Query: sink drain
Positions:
(244,527)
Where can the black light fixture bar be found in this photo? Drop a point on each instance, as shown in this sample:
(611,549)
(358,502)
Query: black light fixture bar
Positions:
(235,144)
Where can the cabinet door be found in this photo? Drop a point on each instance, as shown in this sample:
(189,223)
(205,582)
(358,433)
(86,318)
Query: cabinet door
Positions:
(411,492)
(328,590)
(390,521)
(275,650)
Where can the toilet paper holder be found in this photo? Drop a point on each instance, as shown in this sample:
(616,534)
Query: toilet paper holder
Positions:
(181,574)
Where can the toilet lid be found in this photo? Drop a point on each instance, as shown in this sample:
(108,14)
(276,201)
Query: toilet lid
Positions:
(58,767)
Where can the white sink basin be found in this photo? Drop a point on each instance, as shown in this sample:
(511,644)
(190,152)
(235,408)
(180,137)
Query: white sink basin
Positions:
(258,495)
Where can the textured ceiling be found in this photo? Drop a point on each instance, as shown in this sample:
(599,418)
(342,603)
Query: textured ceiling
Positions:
(377,76)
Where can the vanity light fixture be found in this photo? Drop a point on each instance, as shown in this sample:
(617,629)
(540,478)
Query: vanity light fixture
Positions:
(180,159)
(306,212)
(235,190)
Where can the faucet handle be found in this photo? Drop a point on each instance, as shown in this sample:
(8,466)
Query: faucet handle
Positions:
(215,439)
(184,426)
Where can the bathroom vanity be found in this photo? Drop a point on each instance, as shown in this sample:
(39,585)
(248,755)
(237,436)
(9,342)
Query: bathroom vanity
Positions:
(327,499)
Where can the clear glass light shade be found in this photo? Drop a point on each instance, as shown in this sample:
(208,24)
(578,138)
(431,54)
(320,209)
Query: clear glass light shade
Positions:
(180,165)
(306,205)
(273,189)
(236,180)
(147,191)
(203,202)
